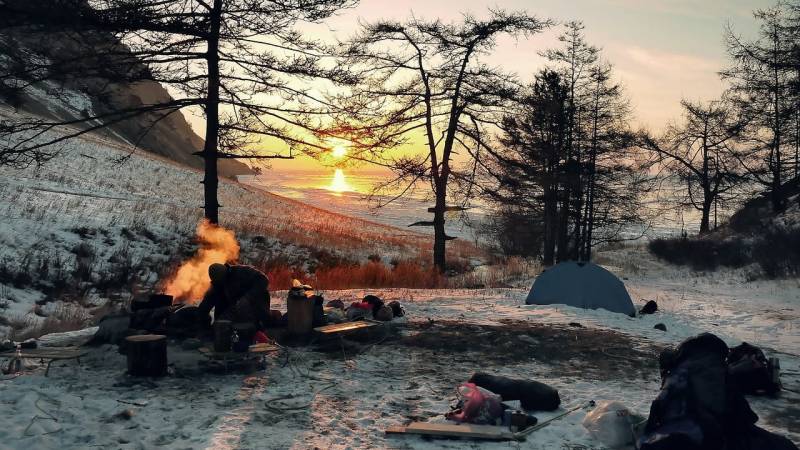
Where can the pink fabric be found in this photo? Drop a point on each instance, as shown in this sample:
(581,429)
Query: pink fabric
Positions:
(479,406)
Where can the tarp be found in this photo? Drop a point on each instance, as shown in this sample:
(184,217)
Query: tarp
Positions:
(582,285)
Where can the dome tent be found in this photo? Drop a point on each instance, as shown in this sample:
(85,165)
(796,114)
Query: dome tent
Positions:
(582,285)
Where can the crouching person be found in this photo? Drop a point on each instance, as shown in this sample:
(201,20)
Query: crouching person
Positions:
(238,293)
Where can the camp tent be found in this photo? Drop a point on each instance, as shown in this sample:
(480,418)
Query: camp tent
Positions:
(583,285)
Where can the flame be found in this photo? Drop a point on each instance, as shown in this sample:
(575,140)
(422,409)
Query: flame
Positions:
(339,183)
(191,281)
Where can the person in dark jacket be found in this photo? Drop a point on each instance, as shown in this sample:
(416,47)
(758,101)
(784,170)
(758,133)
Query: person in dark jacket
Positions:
(238,293)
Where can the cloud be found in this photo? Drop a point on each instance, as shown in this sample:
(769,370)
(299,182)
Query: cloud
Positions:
(657,80)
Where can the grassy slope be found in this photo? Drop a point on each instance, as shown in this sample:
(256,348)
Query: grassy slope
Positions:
(83,229)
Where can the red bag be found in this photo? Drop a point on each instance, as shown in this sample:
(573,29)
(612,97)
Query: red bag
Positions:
(479,406)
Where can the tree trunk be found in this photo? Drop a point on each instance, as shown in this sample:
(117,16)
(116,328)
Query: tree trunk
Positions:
(439,258)
(550,220)
(210,181)
(562,252)
(147,355)
(706,214)
(590,200)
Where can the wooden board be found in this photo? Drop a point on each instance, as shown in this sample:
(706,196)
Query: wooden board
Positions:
(464,430)
(345,327)
(254,350)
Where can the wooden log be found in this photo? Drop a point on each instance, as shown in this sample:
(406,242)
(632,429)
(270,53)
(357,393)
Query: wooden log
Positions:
(147,355)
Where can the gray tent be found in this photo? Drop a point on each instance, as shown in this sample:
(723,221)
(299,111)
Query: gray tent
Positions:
(583,285)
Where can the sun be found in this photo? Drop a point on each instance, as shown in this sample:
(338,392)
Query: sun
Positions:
(339,151)
(339,183)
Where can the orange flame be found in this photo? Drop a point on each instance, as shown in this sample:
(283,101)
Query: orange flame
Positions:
(191,281)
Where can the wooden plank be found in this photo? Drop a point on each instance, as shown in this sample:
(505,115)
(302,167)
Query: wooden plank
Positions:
(253,351)
(463,430)
(262,348)
(344,327)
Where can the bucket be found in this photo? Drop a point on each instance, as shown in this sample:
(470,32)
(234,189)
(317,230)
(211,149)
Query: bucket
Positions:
(223,331)
(300,310)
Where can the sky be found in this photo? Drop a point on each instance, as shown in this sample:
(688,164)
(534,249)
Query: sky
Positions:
(662,50)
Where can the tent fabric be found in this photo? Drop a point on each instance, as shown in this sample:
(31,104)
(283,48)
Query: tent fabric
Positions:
(582,285)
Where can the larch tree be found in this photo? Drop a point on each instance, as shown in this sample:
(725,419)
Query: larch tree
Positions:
(700,152)
(239,61)
(574,60)
(522,174)
(425,85)
(762,78)
(567,163)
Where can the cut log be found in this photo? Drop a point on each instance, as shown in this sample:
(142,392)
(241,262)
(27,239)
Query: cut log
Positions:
(147,355)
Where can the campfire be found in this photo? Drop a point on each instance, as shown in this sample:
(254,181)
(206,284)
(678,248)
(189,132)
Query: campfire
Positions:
(191,281)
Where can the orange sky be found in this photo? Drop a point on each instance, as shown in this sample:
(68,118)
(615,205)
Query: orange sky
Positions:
(662,50)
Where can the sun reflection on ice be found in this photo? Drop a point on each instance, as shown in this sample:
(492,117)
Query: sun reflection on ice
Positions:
(339,183)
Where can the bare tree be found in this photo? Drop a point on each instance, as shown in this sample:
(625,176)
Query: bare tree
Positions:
(700,152)
(426,78)
(240,61)
(762,77)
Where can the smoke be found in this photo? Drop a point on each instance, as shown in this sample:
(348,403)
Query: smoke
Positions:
(191,281)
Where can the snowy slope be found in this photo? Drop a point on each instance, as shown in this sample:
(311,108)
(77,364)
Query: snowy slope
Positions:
(85,227)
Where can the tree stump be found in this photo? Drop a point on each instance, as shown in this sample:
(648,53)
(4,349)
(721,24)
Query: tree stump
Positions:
(147,355)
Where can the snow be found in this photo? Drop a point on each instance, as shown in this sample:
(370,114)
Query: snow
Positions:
(353,397)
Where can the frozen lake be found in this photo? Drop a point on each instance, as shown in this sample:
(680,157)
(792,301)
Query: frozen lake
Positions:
(344,192)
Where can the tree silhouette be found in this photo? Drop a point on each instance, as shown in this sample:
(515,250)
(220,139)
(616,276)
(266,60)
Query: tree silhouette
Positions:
(763,79)
(700,152)
(427,78)
(239,61)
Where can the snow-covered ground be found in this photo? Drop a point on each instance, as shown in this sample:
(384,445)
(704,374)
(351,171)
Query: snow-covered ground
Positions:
(81,211)
(346,399)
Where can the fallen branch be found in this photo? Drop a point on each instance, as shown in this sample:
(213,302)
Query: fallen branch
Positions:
(521,434)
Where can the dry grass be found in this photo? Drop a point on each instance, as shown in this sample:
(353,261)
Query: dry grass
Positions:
(503,273)
(410,274)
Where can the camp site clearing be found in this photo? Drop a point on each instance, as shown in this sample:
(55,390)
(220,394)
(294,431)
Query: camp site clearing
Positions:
(347,398)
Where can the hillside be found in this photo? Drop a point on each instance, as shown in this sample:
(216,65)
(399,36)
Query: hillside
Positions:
(763,242)
(83,233)
(62,97)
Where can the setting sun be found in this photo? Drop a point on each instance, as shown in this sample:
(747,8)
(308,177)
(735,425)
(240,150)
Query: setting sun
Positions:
(339,151)
(339,183)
